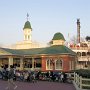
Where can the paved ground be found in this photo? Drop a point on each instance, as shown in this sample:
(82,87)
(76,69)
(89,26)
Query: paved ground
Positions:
(40,85)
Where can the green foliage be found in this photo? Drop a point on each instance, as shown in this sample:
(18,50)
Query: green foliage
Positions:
(83,72)
(87,38)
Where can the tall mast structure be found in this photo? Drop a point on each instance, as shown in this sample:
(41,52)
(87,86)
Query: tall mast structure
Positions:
(78,30)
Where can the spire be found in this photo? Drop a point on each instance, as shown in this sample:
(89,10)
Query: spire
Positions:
(27,16)
(27,23)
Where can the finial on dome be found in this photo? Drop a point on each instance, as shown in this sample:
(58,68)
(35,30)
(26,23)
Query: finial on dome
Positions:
(27,16)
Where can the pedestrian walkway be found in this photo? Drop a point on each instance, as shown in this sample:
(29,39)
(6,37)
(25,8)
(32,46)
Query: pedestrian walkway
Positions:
(40,85)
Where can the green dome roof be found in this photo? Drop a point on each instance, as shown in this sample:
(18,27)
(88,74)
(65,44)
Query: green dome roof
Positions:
(58,36)
(27,25)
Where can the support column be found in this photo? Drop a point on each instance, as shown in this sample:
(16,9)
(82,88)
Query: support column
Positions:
(10,61)
(21,64)
(32,63)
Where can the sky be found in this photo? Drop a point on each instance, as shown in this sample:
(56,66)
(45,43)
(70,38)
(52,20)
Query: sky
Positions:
(47,17)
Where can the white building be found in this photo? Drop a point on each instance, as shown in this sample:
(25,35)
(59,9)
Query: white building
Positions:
(27,42)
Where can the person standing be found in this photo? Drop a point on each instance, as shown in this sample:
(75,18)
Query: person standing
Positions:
(10,78)
(1,71)
(62,77)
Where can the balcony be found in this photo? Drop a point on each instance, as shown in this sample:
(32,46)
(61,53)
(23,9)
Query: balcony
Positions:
(83,58)
(79,48)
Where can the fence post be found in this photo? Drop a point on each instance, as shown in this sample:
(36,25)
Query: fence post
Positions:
(80,82)
(74,77)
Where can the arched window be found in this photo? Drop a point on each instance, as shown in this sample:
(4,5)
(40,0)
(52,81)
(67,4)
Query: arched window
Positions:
(58,64)
(49,64)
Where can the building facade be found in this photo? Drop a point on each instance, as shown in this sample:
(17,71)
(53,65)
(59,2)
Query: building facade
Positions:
(83,54)
(56,57)
(30,56)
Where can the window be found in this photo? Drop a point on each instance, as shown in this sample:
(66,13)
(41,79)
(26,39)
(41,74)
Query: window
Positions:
(4,61)
(78,54)
(49,64)
(83,53)
(71,65)
(54,64)
(27,63)
(37,63)
(88,53)
(16,62)
(58,64)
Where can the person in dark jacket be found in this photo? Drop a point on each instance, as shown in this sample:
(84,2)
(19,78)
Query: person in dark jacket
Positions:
(11,77)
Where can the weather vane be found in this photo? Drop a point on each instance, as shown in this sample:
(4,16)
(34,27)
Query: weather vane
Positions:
(27,16)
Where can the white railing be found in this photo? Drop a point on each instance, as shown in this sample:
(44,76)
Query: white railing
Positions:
(79,48)
(79,81)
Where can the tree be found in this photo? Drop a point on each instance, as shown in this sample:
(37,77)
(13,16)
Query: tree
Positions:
(74,39)
(87,38)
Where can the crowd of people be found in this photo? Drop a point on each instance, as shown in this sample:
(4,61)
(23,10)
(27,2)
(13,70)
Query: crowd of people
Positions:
(32,76)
